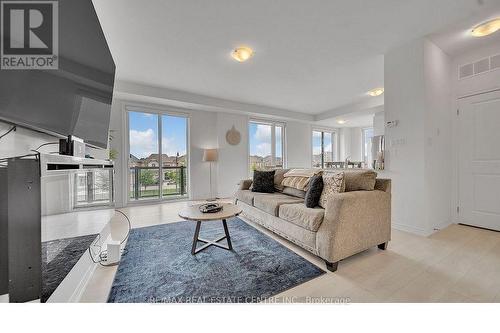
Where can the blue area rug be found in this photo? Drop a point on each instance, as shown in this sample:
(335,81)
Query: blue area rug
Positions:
(157,266)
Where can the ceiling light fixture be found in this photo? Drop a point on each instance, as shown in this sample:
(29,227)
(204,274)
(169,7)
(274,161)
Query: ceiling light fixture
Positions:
(242,53)
(376,92)
(486,28)
(341,122)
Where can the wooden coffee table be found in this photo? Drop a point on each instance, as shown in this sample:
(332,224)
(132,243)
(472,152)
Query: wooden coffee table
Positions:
(193,213)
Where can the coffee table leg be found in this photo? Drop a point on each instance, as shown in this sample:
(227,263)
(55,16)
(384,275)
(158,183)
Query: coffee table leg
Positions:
(226,230)
(195,239)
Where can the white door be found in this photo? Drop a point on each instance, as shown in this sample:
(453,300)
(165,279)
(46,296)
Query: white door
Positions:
(479,161)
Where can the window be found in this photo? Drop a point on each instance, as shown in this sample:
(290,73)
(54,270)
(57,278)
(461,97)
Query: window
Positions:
(324,148)
(266,141)
(93,187)
(158,146)
(367,146)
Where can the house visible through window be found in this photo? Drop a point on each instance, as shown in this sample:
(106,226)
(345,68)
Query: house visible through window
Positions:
(158,146)
(266,145)
(323,148)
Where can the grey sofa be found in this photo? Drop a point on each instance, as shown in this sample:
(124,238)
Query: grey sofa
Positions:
(352,221)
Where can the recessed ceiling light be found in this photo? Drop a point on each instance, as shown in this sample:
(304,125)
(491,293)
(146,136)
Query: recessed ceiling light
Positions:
(376,92)
(242,53)
(486,28)
(341,122)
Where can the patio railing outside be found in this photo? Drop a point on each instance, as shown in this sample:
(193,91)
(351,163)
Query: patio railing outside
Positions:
(145,182)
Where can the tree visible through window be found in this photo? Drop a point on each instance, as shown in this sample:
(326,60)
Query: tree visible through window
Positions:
(158,146)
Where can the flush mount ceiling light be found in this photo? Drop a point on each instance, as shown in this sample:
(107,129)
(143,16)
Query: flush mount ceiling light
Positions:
(376,92)
(242,54)
(486,28)
(341,122)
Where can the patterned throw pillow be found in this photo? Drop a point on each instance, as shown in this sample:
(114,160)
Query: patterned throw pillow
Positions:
(263,181)
(314,192)
(332,183)
(300,183)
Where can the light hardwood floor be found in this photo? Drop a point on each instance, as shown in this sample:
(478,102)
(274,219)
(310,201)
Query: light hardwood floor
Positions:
(456,264)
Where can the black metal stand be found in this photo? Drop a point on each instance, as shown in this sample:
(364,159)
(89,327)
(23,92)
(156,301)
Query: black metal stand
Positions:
(208,243)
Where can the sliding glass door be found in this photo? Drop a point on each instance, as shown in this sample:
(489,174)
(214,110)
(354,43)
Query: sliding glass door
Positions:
(323,148)
(157,156)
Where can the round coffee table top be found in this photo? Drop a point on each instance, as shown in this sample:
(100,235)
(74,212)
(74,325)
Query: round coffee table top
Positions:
(193,213)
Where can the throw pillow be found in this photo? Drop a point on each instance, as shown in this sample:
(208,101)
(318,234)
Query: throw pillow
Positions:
(263,181)
(300,183)
(360,180)
(278,178)
(314,192)
(332,183)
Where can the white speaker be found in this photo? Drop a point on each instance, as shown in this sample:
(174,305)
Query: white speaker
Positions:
(113,251)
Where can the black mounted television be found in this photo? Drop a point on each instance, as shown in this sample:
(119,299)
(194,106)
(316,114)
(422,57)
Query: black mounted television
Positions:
(74,99)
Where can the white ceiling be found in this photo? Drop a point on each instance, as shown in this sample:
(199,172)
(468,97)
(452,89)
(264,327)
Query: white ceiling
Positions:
(310,56)
(362,118)
(456,39)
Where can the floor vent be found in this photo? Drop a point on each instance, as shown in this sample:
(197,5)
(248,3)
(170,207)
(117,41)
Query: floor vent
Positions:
(479,67)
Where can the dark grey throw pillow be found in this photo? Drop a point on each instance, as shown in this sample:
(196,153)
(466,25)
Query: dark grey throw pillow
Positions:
(263,181)
(314,192)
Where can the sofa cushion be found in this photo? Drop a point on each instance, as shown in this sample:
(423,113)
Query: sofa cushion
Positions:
(360,180)
(294,192)
(299,214)
(263,181)
(270,203)
(246,196)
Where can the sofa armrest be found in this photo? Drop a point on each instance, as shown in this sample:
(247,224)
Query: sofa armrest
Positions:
(353,222)
(245,184)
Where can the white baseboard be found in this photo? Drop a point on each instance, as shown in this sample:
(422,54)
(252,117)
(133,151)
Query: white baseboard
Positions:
(442,225)
(412,229)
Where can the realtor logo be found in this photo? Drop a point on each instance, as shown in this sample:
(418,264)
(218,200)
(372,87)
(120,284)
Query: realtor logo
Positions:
(29,35)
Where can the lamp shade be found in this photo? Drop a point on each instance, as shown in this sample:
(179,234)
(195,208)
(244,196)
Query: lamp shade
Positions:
(209,155)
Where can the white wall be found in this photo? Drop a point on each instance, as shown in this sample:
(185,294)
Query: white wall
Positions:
(418,158)
(404,162)
(299,144)
(23,140)
(438,144)
(350,143)
(379,123)
(233,160)
(356,144)
(478,83)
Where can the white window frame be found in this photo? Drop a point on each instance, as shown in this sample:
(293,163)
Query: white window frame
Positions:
(273,125)
(159,111)
(335,145)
